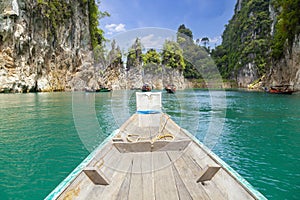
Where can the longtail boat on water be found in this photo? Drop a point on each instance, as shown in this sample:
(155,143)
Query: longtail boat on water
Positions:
(151,157)
(146,88)
(170,88)
(280,89)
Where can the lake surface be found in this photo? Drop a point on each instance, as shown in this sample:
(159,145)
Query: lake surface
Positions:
(44,136)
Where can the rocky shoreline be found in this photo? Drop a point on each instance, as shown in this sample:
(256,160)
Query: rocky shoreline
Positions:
(38,55)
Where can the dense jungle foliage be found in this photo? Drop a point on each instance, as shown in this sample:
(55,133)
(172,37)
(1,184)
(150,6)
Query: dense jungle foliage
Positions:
(183,54)
(57,12)
(250,38)
(253,36)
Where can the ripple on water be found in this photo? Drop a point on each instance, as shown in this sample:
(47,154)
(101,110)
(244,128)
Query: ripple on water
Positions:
(260,139)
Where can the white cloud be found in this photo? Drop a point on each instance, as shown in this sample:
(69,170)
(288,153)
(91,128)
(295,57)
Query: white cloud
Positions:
(154,41)
(115,28)
(215,40)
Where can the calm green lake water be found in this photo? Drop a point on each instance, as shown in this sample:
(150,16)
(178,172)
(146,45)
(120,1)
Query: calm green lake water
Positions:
(40,144)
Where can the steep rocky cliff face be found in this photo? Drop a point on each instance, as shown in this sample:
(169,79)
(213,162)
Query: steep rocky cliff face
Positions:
(45,46)
(261,44)
(244,54)
(119,78)
(135,68)
(285,65)
(286,71)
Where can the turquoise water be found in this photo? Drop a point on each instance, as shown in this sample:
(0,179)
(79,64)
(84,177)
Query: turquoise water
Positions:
(40,144)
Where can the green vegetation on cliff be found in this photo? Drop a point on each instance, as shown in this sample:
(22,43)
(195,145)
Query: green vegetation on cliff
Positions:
(287,27)
(246,39)
(57,12)
(134,57)
(152,57)
(114,55)
(97,34)
(183,55)
(250,38)
(172,55)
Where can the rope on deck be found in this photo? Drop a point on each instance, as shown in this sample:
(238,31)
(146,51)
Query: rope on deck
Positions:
(159,136)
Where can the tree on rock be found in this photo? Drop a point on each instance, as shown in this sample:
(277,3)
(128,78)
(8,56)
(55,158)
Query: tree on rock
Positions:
(205,41)
(114,57)
(152,61)
(185,31)
(152,57)
(134,57)
(172,55)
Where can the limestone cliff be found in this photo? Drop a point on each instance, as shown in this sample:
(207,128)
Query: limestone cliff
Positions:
(118,77)
(45,46)
(260,44)
(286,71)
(285,63)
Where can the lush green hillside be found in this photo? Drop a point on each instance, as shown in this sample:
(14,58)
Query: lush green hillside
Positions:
(246,39)
(256,36)
(287,27)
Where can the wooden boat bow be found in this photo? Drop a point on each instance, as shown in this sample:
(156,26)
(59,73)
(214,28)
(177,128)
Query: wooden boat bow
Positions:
(164,161)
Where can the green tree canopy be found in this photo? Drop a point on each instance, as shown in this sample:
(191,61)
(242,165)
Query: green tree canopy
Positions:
(246,39)
(287,27)
(172,55)
(205,41)
(152,57)
(97,34)
(184,34)
(114,56)
(134,57)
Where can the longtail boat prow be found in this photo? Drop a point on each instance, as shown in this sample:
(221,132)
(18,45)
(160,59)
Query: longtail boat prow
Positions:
(280,89)
(151,157)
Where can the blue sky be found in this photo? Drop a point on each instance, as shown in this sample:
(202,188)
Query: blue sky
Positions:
(206,18)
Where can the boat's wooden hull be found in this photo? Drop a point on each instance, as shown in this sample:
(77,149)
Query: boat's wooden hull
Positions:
(170,90)
(280,92)
(151,157)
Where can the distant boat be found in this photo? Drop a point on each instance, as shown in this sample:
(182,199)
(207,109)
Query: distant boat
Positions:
(104,90)
(89,90)
(280,89)
(146,88)
(151,157)
(98,90)
(170,89)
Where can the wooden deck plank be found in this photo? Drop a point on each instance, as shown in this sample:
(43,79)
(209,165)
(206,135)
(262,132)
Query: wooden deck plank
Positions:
(79,187)
(136,183)
(183,192)
(209,187)
(147,177)
(223,181)
(188,176)
(230,188)
(119,170)
(86,187)
(108,166)
(199,156)
(105,151)
(165,187)
(123,193)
